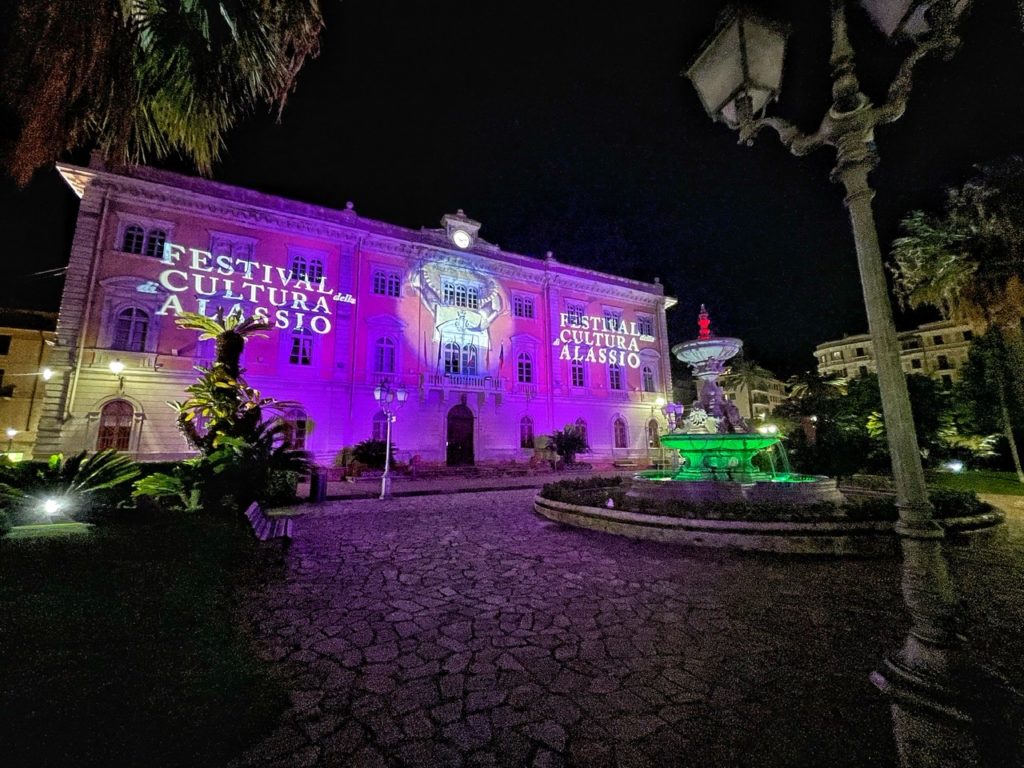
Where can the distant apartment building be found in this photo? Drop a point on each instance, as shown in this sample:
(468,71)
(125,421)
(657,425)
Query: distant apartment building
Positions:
(25,341)
(756,403)
(935,349)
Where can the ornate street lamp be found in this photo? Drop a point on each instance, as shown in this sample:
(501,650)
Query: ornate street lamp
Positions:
(737,74)
(390,400)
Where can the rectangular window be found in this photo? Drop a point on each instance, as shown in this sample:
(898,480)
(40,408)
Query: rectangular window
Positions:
(944,363)
(302,350)
(387,282)
(915,363)
(613,318)
(574,312)
(645,325)
(615,376)
(456,294)
(938,340)
(5,344)
(968,335)
(862,370)
(837,355)
(522,306)
(860,351)
(577,375)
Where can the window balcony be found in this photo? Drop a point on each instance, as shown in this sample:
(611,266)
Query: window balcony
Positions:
(446,381)
(525,390)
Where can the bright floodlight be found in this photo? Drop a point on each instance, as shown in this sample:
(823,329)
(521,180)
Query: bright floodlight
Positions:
(11,432)
(954,466)
(116,367)
(47,374)
(51,507)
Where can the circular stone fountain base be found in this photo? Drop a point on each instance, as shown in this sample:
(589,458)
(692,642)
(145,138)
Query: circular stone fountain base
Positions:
(795,490)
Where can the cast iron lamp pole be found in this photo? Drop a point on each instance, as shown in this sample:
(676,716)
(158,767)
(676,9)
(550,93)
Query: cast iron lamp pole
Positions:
(737,74)
(390,401)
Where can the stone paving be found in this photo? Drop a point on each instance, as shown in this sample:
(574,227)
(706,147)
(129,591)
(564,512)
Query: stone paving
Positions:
(465,630)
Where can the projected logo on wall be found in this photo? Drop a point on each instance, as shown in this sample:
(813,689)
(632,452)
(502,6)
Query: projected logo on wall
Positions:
(594,339)
(201,281)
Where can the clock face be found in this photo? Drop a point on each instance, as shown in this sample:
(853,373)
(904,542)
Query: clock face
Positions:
(461,238)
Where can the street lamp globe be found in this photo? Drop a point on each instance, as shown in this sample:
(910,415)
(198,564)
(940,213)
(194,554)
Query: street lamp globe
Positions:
(739,70)
(913,18)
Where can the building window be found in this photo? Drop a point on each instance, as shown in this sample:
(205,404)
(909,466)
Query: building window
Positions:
(574,312)
(968,335)
(581,427)
(615,376)
(938,340)
(115,429)
(387,282)
(5,344)
(613,318)
(134,239)
(468,359)
(130,330)
(297,424)
(526,432)
(155,240)
(457,294)
(862,370)
(302,347)
(384,355)
(620,433)
(524,369)
(577,373)
(522,306)
(645,325)
(947,380)
(944,363)
(653,438)
(915,363)
(837,355)
(860,351)
(451,358)
(647,379)
(380,426)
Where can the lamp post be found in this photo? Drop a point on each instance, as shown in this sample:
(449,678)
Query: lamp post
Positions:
(737,75)
(11,434)
(390,400)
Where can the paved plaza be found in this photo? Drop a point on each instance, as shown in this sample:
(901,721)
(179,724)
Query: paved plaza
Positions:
(465,630)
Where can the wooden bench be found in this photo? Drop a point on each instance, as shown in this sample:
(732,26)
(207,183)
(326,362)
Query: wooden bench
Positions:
(267,528)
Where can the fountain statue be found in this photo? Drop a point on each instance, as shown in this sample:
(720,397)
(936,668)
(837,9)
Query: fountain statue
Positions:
(722,458)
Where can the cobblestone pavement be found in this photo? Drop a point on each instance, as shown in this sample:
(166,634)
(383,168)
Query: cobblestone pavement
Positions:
(465,630)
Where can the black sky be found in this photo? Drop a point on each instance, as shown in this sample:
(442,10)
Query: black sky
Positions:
(569,129)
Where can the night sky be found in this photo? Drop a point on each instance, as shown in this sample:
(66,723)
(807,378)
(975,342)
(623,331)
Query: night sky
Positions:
(573,132)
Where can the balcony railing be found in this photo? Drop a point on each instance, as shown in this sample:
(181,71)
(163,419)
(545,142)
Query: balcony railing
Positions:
(463,381)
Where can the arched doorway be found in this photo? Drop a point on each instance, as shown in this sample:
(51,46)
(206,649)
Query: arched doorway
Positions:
(460,436)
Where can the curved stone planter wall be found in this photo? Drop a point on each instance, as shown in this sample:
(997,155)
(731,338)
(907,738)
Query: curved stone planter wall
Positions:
(833,537)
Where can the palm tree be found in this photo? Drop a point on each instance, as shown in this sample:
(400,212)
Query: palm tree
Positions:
(748,375)
(143,79)
(969,263)
(230,332)
(809,389)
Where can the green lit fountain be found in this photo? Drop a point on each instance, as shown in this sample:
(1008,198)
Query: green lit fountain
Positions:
(721,457)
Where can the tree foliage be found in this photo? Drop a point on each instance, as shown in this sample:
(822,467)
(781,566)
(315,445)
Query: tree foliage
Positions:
(568,442)
(143,79)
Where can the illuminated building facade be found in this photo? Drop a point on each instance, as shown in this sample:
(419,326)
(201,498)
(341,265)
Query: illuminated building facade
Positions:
(495,349)
(936,349)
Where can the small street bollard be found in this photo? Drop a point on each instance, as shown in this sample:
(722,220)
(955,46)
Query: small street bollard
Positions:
(318,485)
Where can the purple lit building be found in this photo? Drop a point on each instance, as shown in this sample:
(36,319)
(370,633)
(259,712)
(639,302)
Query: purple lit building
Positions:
(495,349)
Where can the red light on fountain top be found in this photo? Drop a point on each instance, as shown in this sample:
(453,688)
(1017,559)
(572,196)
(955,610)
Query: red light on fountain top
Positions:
(704,323)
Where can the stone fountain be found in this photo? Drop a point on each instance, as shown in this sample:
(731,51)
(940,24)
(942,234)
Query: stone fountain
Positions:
(722,458)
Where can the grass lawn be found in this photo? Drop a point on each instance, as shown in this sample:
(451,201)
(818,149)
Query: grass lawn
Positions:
(978,481)
(124,647)
(48,530)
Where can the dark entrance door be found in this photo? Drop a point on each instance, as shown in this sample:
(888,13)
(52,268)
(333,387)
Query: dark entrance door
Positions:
(460,436)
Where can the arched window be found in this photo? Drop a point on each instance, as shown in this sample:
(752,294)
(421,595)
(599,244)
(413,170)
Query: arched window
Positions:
(299,268)
(653,439)
(577,373)
(384,355)
(134,239)
(451,358)
(647,379)
(615,377)
(130,330)
(380,426)
(302,347)
(155,240)
(581,427)
(620,433)
(315,272)
(298,427)
(524,368)
(526,432)
(469,360)
(115,426)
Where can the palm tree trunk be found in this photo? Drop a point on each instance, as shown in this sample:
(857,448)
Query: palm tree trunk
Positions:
(1008,430)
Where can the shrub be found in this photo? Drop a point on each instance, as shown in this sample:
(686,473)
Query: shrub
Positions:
(567,442)
(371,453)
(5,523)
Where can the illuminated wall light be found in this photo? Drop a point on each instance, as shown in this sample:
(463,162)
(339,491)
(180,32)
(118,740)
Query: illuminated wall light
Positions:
(47,374)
